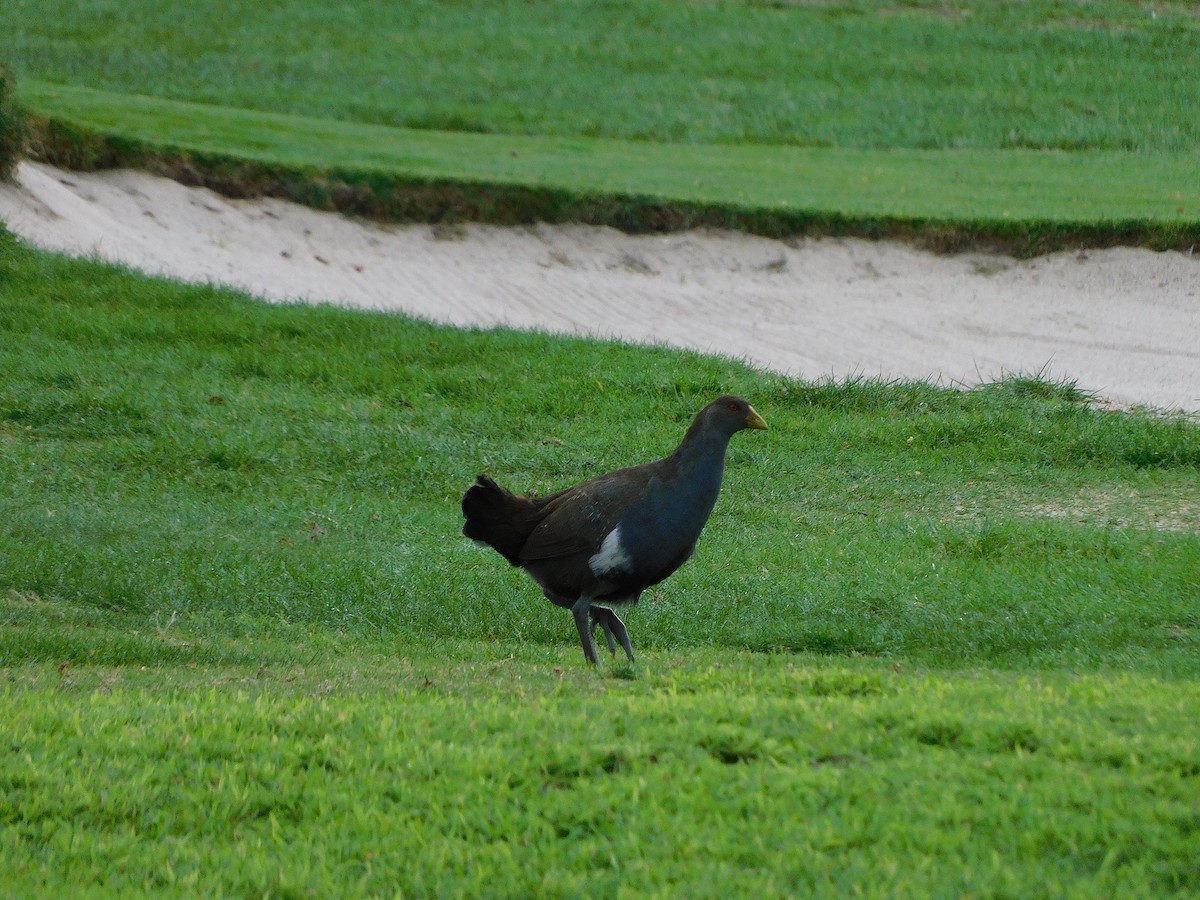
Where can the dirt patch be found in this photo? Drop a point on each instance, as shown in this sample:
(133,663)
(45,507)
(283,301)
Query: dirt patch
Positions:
(1124,508)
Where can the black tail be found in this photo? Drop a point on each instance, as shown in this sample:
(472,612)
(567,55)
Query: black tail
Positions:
(498,518)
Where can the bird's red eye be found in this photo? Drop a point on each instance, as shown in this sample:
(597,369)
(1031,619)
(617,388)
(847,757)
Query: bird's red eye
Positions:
(733,407)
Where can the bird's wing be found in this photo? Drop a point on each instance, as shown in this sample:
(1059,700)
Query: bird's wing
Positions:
(576,523)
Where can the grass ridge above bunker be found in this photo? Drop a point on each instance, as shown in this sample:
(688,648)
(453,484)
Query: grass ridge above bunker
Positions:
(1021,202)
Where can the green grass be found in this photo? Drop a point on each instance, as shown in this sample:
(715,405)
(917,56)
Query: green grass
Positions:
(183,450)
(308,763)
(882,75)
(932,643)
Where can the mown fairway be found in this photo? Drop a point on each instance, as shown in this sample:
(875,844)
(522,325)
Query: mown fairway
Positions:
(302,764)
(924,74)
(1026,200)
(245,649)
(1022,126)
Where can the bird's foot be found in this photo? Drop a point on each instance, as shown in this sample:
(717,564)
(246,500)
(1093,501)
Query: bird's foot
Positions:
(613,627)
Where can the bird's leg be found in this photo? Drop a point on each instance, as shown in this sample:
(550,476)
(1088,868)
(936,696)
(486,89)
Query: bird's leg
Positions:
(612,625)
(580,612)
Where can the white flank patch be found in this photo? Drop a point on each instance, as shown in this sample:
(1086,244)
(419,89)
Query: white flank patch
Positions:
(612,556)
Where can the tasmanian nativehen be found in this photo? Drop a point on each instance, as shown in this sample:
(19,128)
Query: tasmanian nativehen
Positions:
(605,541)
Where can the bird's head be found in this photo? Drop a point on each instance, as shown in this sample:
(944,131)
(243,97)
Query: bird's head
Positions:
(731,414)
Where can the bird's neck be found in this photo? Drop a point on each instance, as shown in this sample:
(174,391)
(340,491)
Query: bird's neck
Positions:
(680,505)
(701,457)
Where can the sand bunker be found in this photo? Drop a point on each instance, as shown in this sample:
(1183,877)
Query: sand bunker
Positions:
(1123,323)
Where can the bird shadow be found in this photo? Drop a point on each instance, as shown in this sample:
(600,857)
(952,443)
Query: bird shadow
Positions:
(624,671)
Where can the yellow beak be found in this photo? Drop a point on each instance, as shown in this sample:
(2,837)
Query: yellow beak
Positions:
(754,420)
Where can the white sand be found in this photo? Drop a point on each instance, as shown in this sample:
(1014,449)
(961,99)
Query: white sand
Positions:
(1123,323)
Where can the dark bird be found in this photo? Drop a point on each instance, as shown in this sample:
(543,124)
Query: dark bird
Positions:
(605,541)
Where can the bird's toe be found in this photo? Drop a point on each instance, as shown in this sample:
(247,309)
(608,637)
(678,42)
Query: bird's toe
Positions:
(600,620)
